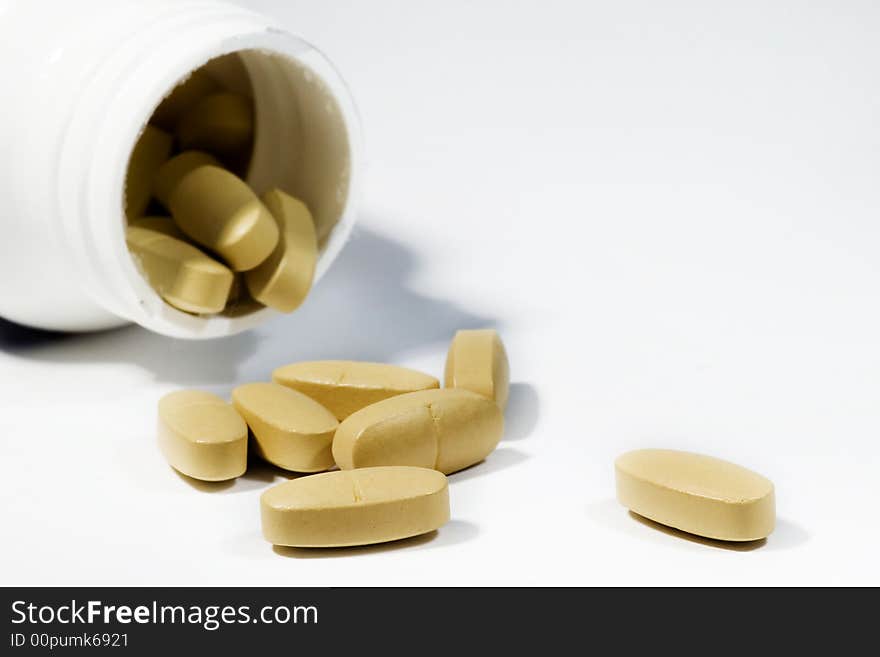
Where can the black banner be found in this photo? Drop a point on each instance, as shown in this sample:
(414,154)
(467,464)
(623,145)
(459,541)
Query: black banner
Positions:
(402,620)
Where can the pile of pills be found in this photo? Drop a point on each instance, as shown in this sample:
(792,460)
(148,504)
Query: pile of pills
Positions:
(199,234)
(378,440)
(394,434)
(208,244)
(383,438)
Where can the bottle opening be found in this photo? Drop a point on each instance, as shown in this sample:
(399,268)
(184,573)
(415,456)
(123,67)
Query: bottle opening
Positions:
(268,119)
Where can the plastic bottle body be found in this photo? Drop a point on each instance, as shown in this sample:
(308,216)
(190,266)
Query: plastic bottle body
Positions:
(86,78)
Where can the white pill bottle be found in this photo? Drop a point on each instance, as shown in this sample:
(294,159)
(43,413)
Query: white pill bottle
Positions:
(80,81)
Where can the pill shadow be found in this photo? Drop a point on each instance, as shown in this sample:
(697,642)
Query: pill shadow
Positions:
(452,533)
(523,410)
(259,475)
(263,472)
(204,486)
(363,309)
(610,514)
(733,546)
(786,535)
(500,459)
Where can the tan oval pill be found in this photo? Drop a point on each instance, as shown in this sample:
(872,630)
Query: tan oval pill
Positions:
(356,507)
(230,73)
(698,494)
(446,430)
(164,225)
(181,274)
(149,153)
(202,436)
(283,281)
(183,98)
(347,386)
(218,210)
(221,123)
(477,361)
(169,175)
(290,430)
(236,292)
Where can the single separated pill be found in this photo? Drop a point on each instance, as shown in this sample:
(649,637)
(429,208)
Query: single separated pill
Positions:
(181,274)
(697,494)
(149,153)
(355,507)
(221,123)
(169,175)
(477,361)
(202,436)
(290,430)
(445,430)
(219,211)
(283,281)
(346,386)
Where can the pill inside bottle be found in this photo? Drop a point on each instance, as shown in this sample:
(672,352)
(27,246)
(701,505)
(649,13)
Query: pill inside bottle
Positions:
(241,126)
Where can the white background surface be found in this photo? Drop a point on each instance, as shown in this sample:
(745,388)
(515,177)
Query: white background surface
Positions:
(669,210)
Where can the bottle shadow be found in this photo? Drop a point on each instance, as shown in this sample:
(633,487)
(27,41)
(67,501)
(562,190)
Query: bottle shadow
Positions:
(15,337)
(523,410)
(363,309)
